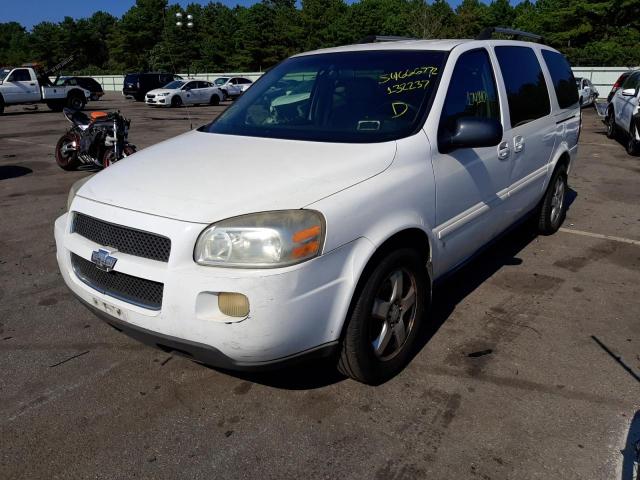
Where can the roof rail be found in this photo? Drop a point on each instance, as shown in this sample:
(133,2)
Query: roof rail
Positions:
(384,38)
(487,34)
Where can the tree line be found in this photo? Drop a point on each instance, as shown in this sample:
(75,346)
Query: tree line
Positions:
(146,37)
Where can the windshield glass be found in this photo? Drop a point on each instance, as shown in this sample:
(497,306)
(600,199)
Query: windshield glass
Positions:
(173,85)
(220,81)
(4,72)
(370,96)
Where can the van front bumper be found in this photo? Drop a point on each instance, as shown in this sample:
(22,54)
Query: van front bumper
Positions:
(293,312)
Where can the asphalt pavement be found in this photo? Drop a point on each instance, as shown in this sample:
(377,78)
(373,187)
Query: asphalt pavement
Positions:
(529,369)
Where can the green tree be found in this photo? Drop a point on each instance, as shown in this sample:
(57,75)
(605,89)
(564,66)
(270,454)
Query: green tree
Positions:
(472,16)
(14,44)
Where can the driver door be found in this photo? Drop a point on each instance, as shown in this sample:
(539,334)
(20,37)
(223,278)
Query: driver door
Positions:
(471,183)
(22,87)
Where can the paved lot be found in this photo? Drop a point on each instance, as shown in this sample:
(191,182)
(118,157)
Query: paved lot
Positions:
(508,384)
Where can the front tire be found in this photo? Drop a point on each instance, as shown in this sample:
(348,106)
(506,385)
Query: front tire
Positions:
(553,209)
(385,318)
(1,105)
(176,101)
(215,100)
(611,125)
(633,146)
(67,152)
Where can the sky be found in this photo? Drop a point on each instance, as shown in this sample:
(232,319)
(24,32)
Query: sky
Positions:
(30,12)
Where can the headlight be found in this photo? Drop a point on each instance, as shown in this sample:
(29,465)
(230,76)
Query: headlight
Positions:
(262,240)
(74,189)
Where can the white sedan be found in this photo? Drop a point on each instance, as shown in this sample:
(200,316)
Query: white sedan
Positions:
(232,87)
(586,91)
(185,92)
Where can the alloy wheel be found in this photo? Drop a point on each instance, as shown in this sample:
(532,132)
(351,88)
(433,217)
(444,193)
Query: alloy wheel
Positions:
(393,314)
(557,201)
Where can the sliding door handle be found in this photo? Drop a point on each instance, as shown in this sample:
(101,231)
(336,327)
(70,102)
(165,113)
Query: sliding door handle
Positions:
(503,151)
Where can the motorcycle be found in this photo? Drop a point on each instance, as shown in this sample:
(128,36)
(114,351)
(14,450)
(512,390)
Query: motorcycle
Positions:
(96,140)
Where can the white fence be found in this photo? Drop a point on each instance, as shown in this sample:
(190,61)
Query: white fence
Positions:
(113,83)
(601,77)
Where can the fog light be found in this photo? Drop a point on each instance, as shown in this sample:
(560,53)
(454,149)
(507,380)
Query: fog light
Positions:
(233,304)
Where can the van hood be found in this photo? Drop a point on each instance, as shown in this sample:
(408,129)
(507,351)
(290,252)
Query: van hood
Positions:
(204,177)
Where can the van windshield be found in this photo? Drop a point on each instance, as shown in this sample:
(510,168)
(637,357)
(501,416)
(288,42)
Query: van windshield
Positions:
(351,97)
(3,73)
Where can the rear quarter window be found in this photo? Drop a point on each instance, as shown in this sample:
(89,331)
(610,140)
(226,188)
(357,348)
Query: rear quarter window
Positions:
(563,80)
(527,92)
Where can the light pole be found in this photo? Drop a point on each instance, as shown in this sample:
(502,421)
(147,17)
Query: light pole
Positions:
(189,24)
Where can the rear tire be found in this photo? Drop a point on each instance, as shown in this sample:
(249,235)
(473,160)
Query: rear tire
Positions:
(76,102)
(611,125)
(385,318)
(55,106)
(1,105)
(632,146)
(553,208)
(66,158)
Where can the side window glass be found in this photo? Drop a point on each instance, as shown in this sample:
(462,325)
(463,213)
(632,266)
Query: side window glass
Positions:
(20,75)
(563,79)
(527,92)
(472,92)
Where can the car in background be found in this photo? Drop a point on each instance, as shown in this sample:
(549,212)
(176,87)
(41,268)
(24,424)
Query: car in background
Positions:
(87,83)
(137,85)
(185,92)
(616,86)
(586,91)
(622,113)
(232,87)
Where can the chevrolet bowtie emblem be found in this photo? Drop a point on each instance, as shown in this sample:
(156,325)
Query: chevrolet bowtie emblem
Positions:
(103,259)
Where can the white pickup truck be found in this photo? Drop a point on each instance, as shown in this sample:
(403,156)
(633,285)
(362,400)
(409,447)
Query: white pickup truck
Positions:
(28,85)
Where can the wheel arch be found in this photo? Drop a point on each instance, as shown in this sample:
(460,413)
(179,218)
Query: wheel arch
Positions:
(413,236)
(74,92)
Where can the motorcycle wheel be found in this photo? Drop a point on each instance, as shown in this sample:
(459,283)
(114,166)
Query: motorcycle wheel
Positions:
(67,153)
(109,159)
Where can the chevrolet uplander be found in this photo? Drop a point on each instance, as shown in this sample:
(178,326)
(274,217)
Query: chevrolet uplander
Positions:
(313,215)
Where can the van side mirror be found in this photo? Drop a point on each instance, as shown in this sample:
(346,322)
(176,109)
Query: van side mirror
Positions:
(472,132)
(629,92)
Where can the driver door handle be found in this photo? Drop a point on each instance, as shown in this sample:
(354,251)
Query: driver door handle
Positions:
(503,151)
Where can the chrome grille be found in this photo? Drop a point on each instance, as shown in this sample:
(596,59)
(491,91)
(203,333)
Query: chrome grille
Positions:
(139,291)
(124,239)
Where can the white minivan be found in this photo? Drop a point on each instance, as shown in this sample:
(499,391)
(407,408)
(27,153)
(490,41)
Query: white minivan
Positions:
(316,225)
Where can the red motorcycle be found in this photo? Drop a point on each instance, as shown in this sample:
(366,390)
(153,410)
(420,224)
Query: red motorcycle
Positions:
(97,140)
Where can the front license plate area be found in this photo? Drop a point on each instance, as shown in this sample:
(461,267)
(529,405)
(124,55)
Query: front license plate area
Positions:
(110,309)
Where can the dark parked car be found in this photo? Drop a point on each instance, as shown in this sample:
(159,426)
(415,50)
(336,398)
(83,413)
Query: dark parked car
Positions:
(618,84)
(87,83)
(137,85)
